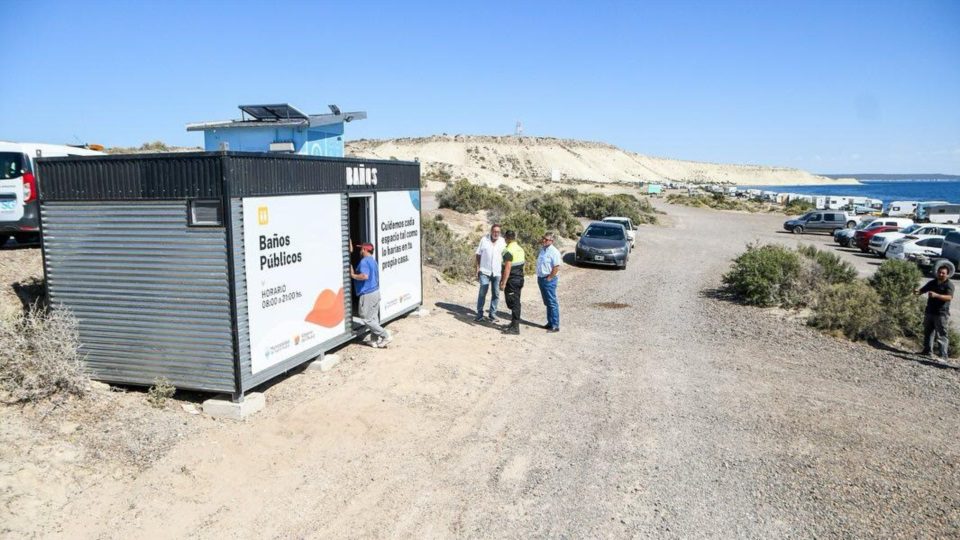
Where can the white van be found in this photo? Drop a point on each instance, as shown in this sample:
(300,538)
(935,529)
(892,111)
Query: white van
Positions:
(902,208)
(19,210)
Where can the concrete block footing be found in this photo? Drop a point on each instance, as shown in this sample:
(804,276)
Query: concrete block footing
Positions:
(422,312)
(324,363)
(224,407)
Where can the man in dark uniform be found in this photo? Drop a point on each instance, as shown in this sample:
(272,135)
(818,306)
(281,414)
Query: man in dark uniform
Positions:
(511,280)
(936,318)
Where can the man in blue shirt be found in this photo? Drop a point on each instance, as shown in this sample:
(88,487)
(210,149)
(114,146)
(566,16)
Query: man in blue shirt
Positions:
(548,266)
(366,282)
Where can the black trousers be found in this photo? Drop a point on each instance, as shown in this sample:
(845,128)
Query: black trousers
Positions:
(511,293)
(935,332)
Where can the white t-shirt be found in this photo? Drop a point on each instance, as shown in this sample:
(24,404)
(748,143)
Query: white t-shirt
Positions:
(491,255)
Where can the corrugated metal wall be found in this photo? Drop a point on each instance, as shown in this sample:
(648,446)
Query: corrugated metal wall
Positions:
(249,380)
(131,177)
(151,294)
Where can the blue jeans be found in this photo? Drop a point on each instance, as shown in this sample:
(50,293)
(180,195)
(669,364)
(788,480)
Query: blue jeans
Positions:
(548,290)
(485,283)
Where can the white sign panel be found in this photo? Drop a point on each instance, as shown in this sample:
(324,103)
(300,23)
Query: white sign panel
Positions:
(398,250)
(294,266)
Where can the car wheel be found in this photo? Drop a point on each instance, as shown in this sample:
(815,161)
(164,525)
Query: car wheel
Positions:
(949,265)
(3,239)
(797,229)
(851,224)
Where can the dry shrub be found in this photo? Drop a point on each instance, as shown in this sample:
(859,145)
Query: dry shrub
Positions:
(767,275)
(445,250)
(902,311)
(39,356)
(829,267)
(852,309)
(161,391)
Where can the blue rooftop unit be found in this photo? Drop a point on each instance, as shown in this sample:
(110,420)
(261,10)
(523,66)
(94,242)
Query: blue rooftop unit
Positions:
(279,128)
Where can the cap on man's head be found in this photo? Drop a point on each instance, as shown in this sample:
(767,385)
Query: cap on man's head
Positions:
(367,246)
(510,235)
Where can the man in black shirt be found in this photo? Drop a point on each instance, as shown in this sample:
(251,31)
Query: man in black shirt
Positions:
(936,318)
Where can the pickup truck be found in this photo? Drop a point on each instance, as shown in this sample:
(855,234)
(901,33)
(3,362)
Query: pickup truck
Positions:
(949,256)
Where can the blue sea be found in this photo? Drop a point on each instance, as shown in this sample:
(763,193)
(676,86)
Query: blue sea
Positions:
(885,190)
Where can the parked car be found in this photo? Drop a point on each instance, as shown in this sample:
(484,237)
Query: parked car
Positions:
(603,243)
(627,225)
(862,238)
(19,209)
(949,255)
(881,241)
(910,248)
(845,236)
(821,221)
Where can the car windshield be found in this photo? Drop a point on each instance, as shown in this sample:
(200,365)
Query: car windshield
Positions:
(910,229)
(11,165)
(625,223)
(863,225)
(609,233)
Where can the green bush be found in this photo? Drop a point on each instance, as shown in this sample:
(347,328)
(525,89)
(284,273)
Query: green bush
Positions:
(444,250)
(767,275)
(902,311)
(530,228)
(954,349)
(556,213)
(829,268)
(598,206)
(468,198)
(851,308)
(799,206)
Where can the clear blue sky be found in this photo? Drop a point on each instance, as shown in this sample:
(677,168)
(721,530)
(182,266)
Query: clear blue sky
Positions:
(825,86)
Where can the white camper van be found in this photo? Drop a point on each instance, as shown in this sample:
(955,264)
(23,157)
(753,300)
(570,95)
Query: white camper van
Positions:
(901,208)
(943,213)
(920,214)
(19,214)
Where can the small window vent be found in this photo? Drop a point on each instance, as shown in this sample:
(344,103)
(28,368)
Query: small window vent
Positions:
(206,214)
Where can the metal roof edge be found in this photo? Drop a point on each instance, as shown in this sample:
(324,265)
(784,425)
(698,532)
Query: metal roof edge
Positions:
(227,153)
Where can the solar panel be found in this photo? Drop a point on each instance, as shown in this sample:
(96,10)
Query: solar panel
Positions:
(279,111)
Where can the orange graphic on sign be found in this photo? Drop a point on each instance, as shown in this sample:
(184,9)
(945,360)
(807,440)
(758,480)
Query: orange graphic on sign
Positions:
(327,309)
(263,215)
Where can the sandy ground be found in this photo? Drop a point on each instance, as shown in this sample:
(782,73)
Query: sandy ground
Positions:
(521,161)
(660,409)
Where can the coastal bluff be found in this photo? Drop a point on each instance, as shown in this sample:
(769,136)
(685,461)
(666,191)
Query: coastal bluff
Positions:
(521,161)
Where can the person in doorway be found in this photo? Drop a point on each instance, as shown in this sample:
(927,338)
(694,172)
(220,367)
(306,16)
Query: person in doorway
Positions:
(936,317)
(488,266)
(511,281)
(366,283)
(548,266)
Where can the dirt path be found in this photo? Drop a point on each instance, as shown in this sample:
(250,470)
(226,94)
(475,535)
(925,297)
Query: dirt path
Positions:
(676,415)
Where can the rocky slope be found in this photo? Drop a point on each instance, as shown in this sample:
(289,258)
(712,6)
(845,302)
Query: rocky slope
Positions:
(519,160)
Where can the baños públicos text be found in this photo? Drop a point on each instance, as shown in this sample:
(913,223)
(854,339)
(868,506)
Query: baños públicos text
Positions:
(278,258)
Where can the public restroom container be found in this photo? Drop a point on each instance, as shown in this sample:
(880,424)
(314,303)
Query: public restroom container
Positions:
(222,270)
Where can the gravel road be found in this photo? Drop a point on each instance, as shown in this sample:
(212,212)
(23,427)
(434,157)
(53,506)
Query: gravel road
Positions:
(658,410)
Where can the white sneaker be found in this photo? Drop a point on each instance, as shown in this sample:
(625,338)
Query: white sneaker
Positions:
(382,342)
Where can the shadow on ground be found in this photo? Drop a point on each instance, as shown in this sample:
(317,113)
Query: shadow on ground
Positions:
(467,315)
(911,356)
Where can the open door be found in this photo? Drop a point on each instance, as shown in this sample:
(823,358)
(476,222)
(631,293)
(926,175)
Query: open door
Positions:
(361,230)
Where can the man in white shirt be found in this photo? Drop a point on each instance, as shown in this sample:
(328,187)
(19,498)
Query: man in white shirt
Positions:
(488,265)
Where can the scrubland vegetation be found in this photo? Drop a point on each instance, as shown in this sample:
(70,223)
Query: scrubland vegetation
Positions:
(881,308)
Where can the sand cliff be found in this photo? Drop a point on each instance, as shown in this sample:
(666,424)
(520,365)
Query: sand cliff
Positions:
(516,161)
